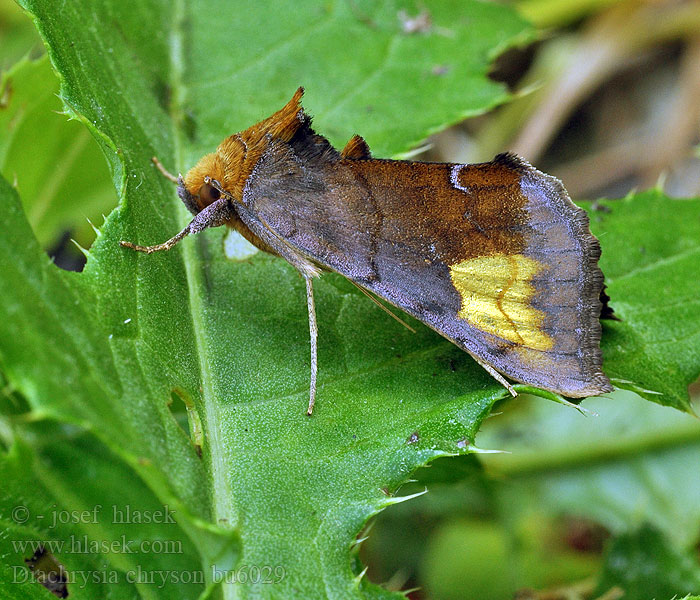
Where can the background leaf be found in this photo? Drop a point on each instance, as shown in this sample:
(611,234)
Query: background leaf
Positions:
(569,486)
(651,248)
(58,168)
(622,467)
(363,73)
(644,566)
(76,379)
(17,36)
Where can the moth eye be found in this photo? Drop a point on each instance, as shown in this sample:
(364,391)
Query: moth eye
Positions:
(208,193)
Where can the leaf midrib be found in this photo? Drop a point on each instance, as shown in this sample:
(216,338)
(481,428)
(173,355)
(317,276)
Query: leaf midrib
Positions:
(220,493)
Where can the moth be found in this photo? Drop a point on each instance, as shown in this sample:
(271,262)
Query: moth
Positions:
(494,256)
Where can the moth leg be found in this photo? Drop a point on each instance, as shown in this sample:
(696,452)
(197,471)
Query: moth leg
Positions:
(214,215)
(167,174)
(496,375)
(313,330)
(384,308)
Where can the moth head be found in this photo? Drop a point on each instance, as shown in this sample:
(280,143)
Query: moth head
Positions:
(228,169)
(198,189)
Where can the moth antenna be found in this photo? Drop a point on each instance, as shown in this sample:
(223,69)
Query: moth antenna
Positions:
(167,174)
(384,308)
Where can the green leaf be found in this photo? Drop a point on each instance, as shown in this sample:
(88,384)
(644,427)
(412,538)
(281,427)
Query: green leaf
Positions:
(644,566)
(106,349)
(63,357)
(59,170)
(651,249)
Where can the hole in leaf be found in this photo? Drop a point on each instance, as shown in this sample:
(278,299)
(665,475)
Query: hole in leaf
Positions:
(47,571)
(237,248)
(65,254)
(185,415)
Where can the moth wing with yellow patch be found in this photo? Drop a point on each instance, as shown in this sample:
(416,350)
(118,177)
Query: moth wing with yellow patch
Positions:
(495,257)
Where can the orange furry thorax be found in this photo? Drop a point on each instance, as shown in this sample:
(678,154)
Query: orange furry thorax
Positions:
(236,157)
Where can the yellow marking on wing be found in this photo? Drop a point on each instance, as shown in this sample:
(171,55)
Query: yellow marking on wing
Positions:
(496,298)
